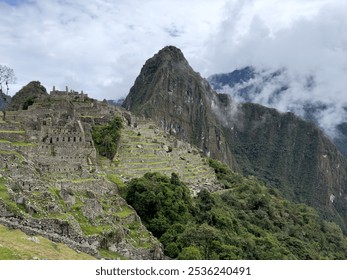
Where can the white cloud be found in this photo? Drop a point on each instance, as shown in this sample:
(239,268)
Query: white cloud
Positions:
(98,46)
(309,41)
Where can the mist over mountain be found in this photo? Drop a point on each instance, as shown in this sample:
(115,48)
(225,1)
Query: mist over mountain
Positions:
(278,89)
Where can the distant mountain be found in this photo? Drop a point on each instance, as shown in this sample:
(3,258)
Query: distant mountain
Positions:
(117,102)
(281,149)
(4,99)
(269,88)
(28,95)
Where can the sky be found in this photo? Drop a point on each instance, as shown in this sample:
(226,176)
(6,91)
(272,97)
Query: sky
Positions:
(100,46)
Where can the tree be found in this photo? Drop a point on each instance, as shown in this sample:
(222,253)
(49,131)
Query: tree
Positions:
(190,253)
(6,77)
(107,137)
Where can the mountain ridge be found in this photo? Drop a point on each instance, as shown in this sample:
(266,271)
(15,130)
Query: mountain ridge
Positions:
(269,88)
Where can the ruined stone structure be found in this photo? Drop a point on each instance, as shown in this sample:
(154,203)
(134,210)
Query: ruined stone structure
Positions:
(69,94)
(52,185)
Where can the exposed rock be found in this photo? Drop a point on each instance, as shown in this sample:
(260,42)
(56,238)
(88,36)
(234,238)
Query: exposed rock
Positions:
(34,239)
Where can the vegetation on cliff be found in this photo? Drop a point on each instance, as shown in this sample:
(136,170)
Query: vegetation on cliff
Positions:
(245,221)
(106,137)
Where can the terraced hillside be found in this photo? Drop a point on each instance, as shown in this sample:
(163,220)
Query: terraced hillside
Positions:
(146,148)
(50,184)
(13,142)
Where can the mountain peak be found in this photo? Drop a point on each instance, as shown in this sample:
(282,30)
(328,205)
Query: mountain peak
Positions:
(171,93)
(170,53)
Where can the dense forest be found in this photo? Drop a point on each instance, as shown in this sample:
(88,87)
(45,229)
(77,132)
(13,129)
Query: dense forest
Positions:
(245,220)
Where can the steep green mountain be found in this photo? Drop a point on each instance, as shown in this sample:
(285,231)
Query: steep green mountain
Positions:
(28,95)
(281,149)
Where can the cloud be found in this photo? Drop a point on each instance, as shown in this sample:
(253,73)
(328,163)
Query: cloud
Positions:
(311,47)
(98,46)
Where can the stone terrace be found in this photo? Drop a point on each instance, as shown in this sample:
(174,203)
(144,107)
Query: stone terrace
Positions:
(146,148)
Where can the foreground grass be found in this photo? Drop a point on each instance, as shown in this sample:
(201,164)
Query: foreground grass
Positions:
(16,245)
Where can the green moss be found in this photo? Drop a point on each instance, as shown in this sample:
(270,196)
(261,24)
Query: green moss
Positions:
(87,227)
(117,181)
(125,212)
(138,236)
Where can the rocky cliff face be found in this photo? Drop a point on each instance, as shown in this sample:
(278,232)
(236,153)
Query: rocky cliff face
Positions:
(281,149)
(273,88)
(291,154)
(170,92)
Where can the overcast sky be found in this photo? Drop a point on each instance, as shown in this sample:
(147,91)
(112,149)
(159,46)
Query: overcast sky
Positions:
(100,46)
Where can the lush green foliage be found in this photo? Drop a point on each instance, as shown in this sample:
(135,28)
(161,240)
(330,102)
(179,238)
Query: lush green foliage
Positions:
(160,201)
(106,137)
(224,174)
(247,221)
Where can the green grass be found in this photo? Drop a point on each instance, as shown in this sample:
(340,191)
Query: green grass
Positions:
(85,224)
(117,181)
(23,144)
(111,255)
(137,234)
(148,163)
(15,245)
(126,211)
(5,152)
(82,180)
(13,131)
(18,144)
(5,197)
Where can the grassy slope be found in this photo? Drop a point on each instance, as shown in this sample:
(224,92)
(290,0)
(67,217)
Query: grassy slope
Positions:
(16,245)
